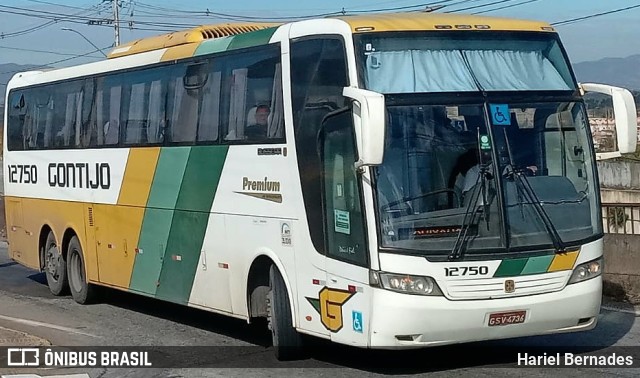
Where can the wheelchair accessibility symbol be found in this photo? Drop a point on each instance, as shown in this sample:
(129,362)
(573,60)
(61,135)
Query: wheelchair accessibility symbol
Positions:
(500,114)
(356,317)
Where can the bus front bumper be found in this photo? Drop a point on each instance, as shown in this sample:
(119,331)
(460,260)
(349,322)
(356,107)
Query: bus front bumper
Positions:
(406,321)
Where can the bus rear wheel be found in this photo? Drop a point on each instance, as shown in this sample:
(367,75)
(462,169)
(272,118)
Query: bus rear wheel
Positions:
(287,342)
(81,291)
(55,266)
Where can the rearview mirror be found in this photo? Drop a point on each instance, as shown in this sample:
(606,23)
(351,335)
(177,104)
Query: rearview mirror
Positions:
(624,109)
(369,118)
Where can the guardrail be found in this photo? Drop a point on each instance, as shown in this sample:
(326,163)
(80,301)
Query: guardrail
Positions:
(621,218)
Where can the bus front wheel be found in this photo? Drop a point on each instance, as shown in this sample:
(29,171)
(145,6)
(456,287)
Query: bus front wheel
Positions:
(287,342)
(81,291)
(55,266)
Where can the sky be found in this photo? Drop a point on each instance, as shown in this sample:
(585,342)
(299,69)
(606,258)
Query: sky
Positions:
(613,35)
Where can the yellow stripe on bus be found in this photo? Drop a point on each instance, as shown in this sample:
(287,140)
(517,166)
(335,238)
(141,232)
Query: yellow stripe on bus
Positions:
(121,224)
(138,176)
(179,52)
(563,261)
(438,21)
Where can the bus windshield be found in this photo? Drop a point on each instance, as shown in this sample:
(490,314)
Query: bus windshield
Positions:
(450,169)
(462,62)
(445,163)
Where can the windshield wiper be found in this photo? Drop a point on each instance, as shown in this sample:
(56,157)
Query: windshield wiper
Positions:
(459,246)
(523,183)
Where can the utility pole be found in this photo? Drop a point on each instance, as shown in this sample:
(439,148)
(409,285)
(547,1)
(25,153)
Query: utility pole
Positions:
(116,22)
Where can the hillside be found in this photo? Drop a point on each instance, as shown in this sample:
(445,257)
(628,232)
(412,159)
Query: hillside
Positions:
(622,72)
(7,71)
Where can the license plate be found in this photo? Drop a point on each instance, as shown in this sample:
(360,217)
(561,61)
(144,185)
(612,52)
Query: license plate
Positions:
(506,318)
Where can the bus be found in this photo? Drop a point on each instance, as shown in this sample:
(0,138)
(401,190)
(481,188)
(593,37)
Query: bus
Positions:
(384,181)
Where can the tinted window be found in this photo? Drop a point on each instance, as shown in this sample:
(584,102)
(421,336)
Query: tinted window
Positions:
(253,88)
(237,96)
(318,75)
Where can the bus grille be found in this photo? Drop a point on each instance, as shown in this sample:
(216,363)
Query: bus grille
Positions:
(495,287)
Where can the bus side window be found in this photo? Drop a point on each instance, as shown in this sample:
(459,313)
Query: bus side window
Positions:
(136,122)
(343,210)
(238,90)
(156,114)
(187,89)
(112,126)
(209,119)
(65,135)
(17,116)
(108,99)
(254,85)
(87,120)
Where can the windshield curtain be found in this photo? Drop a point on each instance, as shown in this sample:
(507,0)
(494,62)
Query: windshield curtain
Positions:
(443,163)
(462,63)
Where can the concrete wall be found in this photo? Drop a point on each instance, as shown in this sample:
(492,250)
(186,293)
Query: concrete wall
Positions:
(622,267)
(620,184)
(623,174)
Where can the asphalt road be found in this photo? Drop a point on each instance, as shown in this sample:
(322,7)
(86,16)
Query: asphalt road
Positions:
(122,319)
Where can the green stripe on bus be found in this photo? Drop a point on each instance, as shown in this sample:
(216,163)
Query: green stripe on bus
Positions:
(168,178)
(158,216)
(260,37)
(189,223)
(510,267)
(213,46)
(537,265)
(151,247)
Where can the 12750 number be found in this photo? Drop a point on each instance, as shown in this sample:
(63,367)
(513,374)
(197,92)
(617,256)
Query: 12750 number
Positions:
(466,271)
(23,174)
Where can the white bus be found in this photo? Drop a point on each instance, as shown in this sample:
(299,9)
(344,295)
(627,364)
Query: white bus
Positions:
(381,181)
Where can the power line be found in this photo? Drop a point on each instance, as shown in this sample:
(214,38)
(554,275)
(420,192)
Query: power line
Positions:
(478,6)
(44,25)
(572,20)
(156,11)
(506,6)
(58,61)
(77,20)
(56,4)
(40,51)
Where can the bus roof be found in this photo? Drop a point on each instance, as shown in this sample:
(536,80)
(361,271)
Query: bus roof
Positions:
(358,23)
(438,21)
(183,37)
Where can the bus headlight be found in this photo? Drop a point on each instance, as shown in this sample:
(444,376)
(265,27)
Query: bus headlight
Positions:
(587,271)
(404,283)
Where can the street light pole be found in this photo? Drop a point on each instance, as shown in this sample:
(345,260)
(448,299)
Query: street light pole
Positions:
(86,39)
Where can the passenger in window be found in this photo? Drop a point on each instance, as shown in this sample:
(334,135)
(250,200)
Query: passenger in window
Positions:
(258,130)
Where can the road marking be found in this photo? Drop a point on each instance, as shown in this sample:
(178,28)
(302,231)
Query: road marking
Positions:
(620,308)
(46,325)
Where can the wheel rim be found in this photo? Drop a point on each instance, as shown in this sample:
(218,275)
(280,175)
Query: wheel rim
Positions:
(76,274)
(53,261)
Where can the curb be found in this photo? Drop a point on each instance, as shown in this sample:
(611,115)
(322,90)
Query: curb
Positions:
(611,304)
(622,307)
(11,337)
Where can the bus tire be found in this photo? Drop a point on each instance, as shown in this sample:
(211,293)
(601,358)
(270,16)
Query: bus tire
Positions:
(81,291)
(55,266)
(287,342)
